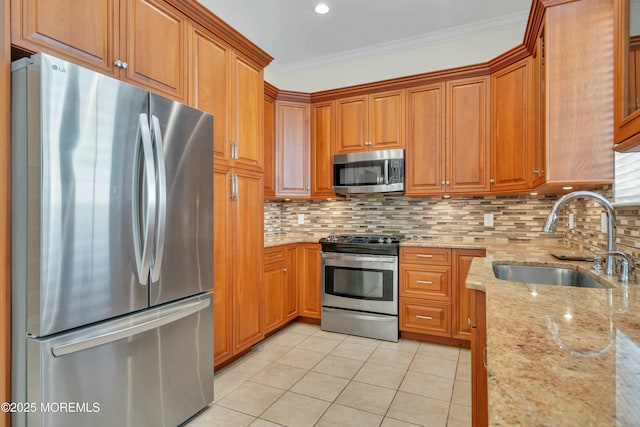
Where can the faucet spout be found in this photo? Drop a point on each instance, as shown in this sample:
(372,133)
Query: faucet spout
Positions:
(552,221)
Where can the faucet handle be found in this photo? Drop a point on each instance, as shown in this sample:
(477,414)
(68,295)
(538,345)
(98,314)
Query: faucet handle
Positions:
(598,260)
(627,264)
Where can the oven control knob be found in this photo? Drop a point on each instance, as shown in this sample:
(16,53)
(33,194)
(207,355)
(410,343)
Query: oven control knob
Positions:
(381,240)
(389,240)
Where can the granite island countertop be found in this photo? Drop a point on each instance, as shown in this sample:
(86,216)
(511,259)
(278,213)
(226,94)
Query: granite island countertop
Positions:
(558,356)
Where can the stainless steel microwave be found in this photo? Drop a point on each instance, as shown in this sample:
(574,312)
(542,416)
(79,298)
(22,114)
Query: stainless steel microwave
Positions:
(369,172)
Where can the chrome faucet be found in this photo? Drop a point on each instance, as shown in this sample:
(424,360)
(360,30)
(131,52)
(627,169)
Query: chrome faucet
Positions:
(552,221)
(627,265)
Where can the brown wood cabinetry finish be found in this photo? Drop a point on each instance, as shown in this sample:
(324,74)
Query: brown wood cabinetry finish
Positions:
(96,34)
(274,285)
(511,128)
(467,135)
(269,136)
(425,160)
(291,283)
(626,81)
(310,277)
(463,313)
(209,83)
(370,122)
(81,31)
(434,299)
(322,142)
(247,231)
(479,379)
(222,290)
(539,148)
(292,149)
(247,100)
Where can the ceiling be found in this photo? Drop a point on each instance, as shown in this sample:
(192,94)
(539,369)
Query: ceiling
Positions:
(298,38)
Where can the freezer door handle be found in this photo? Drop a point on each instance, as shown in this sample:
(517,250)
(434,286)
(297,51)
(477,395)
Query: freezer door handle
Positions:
(144,190)
(162,200)
(144,326)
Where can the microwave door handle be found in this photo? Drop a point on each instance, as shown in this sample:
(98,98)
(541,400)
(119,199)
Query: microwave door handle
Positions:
(386,172)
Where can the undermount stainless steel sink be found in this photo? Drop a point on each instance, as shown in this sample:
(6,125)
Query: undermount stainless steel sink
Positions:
(544,275)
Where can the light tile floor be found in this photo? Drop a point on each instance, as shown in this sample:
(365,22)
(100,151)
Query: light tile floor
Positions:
(303,376)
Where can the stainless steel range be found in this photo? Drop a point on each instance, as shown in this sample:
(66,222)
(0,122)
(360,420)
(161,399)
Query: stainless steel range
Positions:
(360,285)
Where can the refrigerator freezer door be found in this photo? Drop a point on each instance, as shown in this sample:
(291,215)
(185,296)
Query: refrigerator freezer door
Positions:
(183,256)
(74,177)
(153,368)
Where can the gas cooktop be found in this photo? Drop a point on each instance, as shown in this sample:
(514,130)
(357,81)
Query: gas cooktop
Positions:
(383,244)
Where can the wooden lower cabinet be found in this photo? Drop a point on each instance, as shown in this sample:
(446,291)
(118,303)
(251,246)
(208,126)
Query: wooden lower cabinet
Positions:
(310,280)
(434,299)
(280,293)
(479,378)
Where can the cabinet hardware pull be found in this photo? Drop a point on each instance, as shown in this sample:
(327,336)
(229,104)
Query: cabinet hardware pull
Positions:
(536,171)
(484,357)
(125,65)
(284,269)
(424,256)
(117,63)
(468,321)
(274,254)
(425,282)
(492,181)
(424,317)
(444,182)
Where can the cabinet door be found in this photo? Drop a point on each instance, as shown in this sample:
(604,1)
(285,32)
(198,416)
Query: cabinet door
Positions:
(386,120)
(291,279)
(269,137)
(425,160)
(292,149)
(247,101)
(83,32)
(274,283)
(310,280)
(479,379)
(156,62)
(539,113)
(511,128)
(351,124)
(209,84)
(322,140)
(467,140)
(222,331)
(247,236)
(462,296)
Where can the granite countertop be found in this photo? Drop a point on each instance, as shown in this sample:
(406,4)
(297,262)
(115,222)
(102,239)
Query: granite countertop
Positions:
(558,356)
(290,238)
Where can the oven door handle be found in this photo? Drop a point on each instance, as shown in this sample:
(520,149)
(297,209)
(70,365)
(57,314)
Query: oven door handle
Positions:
(342,260)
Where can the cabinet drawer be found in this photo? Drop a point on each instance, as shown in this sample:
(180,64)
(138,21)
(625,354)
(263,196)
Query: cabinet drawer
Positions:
(433,282)
(274,254)
(425,317)
(437,256)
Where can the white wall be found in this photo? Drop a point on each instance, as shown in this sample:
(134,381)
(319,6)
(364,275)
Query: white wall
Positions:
(439,56)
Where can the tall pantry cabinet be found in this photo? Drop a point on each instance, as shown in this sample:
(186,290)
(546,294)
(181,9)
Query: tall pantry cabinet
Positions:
(230,87)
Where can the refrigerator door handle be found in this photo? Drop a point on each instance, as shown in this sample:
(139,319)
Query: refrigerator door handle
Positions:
(162,200)
(100,339)
(144,240)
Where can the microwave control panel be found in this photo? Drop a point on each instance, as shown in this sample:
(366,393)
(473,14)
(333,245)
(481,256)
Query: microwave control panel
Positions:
(396,171)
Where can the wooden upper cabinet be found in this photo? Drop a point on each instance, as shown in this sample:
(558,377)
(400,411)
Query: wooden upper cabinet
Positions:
(322,140)
(292,149)
(467,135)
(119,38)
(425,159)
(351,124)
(511,128)
(209,83)
(247,101)
(269,138)
(539,112)
(84,32)
(370,122)
(156,62)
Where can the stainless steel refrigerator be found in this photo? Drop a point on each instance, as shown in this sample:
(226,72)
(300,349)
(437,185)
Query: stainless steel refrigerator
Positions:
(112,251)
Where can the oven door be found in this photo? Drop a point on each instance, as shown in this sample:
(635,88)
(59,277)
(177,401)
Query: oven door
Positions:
(360,282)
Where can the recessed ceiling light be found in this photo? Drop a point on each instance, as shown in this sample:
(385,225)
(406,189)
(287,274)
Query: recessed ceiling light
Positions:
(321,9)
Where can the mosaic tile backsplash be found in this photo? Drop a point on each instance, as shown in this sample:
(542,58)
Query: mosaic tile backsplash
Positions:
(515,218)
